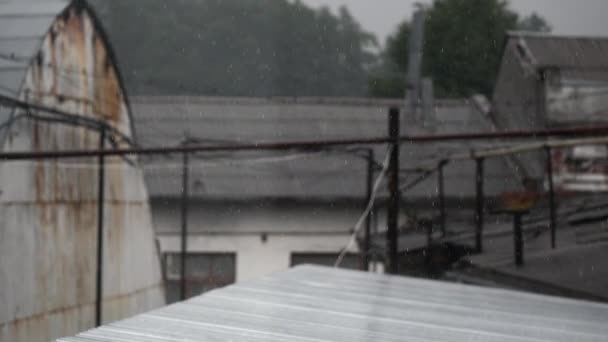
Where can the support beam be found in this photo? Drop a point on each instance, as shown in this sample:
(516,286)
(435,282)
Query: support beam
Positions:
(393,183)
(518,239)
(479,204)
(441,195)
(100,230)
(184,232)
(552,205)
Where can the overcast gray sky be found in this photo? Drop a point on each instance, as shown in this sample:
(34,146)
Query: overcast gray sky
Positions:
(572,17)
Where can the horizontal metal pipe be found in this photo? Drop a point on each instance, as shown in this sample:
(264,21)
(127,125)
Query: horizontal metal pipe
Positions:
(306,145)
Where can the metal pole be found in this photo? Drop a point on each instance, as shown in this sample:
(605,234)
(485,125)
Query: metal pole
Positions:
(100,232)
(428,256)
(368,198)
(441,189)
(552,209)
(373,256)
(393,205)
(479,206)
(518,239)
(184,232)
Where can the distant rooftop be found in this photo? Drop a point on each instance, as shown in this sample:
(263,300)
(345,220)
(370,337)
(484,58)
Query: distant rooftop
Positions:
(167,121)
(569,52)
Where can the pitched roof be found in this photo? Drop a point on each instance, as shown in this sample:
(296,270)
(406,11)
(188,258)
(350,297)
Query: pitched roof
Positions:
(167,120)
(565,52)
(311,303)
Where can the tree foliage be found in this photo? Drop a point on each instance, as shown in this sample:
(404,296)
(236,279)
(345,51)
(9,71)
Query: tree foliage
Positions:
(237,47)
(462,48)
(534,23)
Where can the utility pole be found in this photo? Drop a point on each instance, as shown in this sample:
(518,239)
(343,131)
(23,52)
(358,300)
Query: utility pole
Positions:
(393,184)
(414,70)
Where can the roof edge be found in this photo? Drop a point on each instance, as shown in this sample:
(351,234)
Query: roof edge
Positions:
(549,35)
(111,55)
(237,100)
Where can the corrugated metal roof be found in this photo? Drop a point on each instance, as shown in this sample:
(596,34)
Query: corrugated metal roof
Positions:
(166,121)
(566,52)
(311,303)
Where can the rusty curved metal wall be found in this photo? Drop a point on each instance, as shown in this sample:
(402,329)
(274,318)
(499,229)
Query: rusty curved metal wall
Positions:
(48,209)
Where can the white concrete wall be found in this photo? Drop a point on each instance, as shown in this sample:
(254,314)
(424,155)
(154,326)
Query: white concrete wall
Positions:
(238,228)
(254,257)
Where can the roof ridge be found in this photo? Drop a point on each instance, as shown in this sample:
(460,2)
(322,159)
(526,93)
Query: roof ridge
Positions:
(531,34)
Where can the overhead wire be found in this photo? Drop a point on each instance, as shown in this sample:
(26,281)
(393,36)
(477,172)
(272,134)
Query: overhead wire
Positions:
(368,208)
(203,164)
(73,118)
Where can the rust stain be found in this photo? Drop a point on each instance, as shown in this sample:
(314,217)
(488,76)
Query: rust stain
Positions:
(74,30)
(65,197)
(108,94)
(64,310)
(53,53)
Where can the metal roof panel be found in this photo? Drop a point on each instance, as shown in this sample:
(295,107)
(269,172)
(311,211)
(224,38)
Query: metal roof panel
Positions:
(310,303)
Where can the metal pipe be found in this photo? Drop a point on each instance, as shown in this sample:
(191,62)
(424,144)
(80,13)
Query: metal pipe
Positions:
(393,184)
(368,197)
(552,205)
(499,152)
(530,134)
(479,204)
(426,175)
(441,190)
(184,232)
(309,145)
(100,230)
(518,239)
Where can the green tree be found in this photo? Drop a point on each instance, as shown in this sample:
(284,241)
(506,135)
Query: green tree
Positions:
(534,23)
(237,47)
(462,48)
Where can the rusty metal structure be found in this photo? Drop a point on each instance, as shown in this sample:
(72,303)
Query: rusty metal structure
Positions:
(54,54)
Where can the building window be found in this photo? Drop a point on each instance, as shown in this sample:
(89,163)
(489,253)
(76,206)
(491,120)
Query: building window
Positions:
(350,261)
(204,272)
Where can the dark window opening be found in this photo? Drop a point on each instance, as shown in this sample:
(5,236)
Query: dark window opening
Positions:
(204,272)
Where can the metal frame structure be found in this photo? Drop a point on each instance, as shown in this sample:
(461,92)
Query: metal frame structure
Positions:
(394,139)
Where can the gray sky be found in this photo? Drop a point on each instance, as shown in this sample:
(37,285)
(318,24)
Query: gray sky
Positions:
(572,17)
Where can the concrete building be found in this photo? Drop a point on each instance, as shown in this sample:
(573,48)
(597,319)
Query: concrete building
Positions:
(254,214)
(59,84)
(548,81)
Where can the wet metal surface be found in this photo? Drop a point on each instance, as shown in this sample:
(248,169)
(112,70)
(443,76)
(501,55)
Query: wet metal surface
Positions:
(323,304)
(48,209)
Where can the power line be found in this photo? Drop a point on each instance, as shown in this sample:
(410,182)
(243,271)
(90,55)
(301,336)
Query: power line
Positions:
(201,164)
(65,117)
